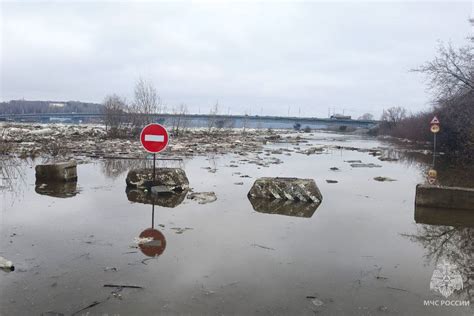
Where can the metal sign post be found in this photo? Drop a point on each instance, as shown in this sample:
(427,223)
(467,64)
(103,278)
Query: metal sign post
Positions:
(434,129)
(432,174)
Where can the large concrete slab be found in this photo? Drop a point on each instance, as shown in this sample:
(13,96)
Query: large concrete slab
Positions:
(58,171)
(293,189)
(444,197)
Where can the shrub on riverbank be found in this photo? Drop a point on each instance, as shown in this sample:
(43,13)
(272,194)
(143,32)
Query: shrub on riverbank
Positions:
(451,78)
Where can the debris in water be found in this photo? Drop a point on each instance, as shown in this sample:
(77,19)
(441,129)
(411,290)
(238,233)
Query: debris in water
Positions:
(383,179)
(110,269)
(6,265)
(124,286)
(334,168)
(203,197)
(317,302)
(331,181)
(180,230)
(365,165)
(263,247)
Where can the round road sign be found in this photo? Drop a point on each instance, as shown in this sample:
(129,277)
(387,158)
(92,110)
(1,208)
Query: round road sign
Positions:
(156,246)
(432,173)
(154,138)
(435,128)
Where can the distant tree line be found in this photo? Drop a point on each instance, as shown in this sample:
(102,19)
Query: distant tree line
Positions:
(40,107)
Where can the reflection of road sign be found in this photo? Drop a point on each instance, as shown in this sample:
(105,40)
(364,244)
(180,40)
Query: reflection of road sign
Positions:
(431,180)
(435,128)
(432,173)
(154,138)
(156,245)
(434,121)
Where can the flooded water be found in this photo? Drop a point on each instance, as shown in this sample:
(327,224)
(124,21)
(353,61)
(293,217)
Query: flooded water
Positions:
(360,252)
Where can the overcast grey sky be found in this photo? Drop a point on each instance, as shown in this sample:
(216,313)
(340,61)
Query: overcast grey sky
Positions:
(258,58)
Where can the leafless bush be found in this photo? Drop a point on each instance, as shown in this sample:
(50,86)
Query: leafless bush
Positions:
(146,102)
(56,149)
(211,122)
(178,119)
(115,113)
(5,147)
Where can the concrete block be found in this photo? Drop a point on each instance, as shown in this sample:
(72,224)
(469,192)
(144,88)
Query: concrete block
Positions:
(59,171)
(444,197)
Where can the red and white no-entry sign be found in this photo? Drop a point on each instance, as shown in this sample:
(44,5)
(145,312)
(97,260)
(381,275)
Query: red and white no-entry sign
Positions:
(154,138)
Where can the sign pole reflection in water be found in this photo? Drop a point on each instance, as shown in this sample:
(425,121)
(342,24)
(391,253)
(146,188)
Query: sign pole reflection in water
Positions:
(157,242)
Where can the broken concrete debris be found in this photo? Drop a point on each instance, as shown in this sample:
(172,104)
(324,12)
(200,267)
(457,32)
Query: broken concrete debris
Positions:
(6,265)
(203,197)
(168,179)
(293,189)
(59,171)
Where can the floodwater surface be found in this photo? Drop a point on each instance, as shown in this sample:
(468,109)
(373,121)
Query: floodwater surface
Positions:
(360,252)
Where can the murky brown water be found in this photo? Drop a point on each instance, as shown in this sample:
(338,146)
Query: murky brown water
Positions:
(360,252)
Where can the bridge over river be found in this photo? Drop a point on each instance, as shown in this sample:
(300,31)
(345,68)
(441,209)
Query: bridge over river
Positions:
(203,120)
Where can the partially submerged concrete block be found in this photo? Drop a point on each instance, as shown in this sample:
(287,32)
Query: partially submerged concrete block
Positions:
(168,179)
(283,207)
(59,171)
(444,197)
(294,189)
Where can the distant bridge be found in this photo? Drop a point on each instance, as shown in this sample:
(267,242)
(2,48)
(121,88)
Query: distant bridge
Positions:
(202,120)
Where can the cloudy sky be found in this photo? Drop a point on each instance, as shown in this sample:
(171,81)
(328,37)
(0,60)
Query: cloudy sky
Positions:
(258,58)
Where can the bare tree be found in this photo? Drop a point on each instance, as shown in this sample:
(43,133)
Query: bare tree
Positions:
(179,118)
(451,73)
(146,102)
(366,116)
(392,116)
(213,116)
(114,111)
